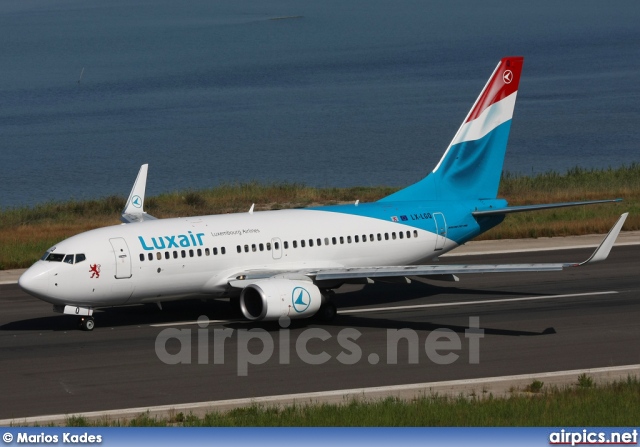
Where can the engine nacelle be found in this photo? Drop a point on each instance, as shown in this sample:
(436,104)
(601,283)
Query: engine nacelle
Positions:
(270,299)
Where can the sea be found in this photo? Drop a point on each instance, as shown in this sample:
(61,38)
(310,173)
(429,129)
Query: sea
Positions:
(322,93)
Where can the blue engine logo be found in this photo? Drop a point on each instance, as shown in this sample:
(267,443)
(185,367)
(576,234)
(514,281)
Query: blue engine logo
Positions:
(301,299)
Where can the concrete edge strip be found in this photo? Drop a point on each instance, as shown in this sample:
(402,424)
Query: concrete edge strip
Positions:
(318,396)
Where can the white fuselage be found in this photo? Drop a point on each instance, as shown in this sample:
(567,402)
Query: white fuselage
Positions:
(170,259)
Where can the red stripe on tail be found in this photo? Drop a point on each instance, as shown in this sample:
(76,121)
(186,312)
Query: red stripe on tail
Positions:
(504,82)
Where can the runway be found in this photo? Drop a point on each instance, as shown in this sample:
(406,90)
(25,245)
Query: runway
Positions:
(536,322)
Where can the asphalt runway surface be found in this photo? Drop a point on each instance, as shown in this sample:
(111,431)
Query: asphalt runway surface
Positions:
(536,322)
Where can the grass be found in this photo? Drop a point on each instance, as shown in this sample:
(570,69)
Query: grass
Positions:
(615,404)
(25,233)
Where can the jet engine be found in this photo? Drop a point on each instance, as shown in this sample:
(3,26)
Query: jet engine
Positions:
(270,299)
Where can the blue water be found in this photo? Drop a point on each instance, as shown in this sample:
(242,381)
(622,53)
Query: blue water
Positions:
(347,93)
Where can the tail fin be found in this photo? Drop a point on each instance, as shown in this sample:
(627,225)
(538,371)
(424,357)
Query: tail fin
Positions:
(472,164)
(134,209)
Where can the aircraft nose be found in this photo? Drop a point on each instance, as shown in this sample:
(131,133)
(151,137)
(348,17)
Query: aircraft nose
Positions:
(35,281)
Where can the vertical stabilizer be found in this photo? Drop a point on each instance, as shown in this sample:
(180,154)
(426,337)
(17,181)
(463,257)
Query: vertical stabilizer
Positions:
(134,209)
(472,164)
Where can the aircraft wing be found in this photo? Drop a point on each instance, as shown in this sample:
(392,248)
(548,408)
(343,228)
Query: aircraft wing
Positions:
(438,271)
(134,209)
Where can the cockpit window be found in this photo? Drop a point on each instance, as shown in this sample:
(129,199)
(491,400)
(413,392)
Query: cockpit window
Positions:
(68,259)
(80,257)
(44,256)
(55,257)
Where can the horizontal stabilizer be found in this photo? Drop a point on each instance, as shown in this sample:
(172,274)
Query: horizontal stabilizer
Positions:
(520,209)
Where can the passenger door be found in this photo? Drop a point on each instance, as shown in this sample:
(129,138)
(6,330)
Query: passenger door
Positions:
(441,230)
(123,259)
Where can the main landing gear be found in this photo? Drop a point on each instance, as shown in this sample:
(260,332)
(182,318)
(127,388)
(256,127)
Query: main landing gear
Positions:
(86,323)
(327,312)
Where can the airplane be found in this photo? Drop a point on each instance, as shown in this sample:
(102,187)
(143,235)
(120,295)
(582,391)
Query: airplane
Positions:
(288,262)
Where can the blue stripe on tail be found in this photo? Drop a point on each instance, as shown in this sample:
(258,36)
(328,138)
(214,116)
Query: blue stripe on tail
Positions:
(470,170)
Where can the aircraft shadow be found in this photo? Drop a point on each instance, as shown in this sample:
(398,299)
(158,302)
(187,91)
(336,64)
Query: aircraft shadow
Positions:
(381,293)
(217,309)
(386,323)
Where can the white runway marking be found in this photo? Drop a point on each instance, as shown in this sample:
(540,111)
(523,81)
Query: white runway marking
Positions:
(187,323)
(468,303)
(416,306)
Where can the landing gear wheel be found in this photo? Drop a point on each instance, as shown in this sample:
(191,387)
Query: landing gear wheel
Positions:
(87,323)
(327,312)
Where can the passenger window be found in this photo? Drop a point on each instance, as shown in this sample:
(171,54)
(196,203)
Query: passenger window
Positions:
(326,241)
(408,234)
(400,235)
(199,251)
(150,255)
(386,236)
(175,254)
(276,245)
(253,247)
(334,241)
(191,253)
(142,256)
(319,242)
(379,237)
(183,253)
(356,238)
(302,243)
(223,250)
(286,245)
(207,252)
(239,249)
(261,247)
(393,235)
(268,246)
(415,233)
(310,242)
(364,238)
(80,257)
(159,256)
(246,248)
(295,244)
(348,239)
(167,255)
(215,251)
(341,239)
(371,238)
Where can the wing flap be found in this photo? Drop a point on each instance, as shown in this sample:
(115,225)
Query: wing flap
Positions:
(431,270)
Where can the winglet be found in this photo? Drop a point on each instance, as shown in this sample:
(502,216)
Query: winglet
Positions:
(605,246)
(134,209)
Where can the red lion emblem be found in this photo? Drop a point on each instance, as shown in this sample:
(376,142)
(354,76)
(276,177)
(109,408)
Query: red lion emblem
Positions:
(95,270)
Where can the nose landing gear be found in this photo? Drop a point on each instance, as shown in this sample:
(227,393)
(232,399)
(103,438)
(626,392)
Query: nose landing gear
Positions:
(86,323)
